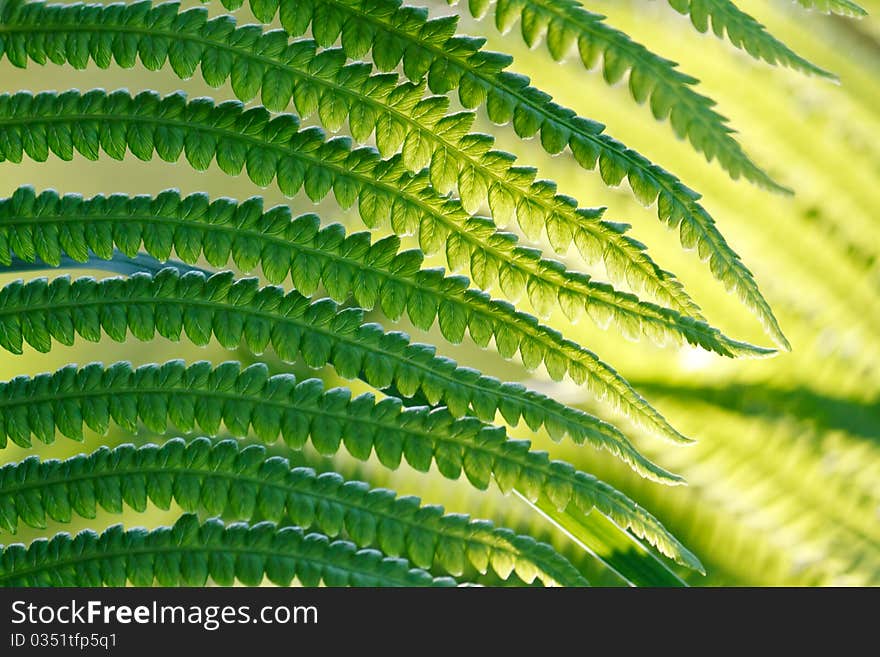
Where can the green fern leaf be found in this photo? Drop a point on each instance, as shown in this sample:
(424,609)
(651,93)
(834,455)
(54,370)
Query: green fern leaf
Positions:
(619,551)
(318,333)
(422,129)
(375,275)
(245,484)
(652,78)
(428,48)
(201,397)
(276,148)
(842,7)
(744,32)
(189,553)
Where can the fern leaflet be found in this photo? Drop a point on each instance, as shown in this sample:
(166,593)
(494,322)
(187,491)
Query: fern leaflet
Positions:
(422,129)
(652,78)
(204,397)
(236,311)
(276,149)
(189,553)
(47,226)
(429,49)
(245,484)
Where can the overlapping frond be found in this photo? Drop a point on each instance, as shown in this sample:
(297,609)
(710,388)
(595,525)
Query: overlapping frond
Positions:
(245,484)
(190,552)
(428,49)
(744,32)
(422,129)
(653,79)
(201,397)
(375,274)
(275,149)
(316,333)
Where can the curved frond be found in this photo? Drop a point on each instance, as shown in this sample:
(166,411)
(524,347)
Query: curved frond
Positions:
(744,32)
(47,225)
(203,397)
(317,333)
(275,149)
(430,49)
(652,78)
(189,553)
(245,484)
(395,26)
(422,129)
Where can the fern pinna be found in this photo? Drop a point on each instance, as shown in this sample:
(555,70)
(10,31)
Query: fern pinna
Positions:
(409,88)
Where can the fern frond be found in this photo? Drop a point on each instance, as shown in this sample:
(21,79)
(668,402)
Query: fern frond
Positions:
(276,149)
(189,553)
(744,32)
(404,31)
(422,129)
(375,275)
(429,49)
(842,7)
(244,484)
(317,333)
(652,78)
(199,396)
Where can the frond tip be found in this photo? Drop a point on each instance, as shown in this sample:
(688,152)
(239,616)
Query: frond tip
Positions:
(189,553)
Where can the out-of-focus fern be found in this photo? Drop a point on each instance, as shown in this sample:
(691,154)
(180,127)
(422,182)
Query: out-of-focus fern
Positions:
(843,7)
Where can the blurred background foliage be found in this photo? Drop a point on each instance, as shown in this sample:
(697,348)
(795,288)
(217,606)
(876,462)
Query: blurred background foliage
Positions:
(784,481)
